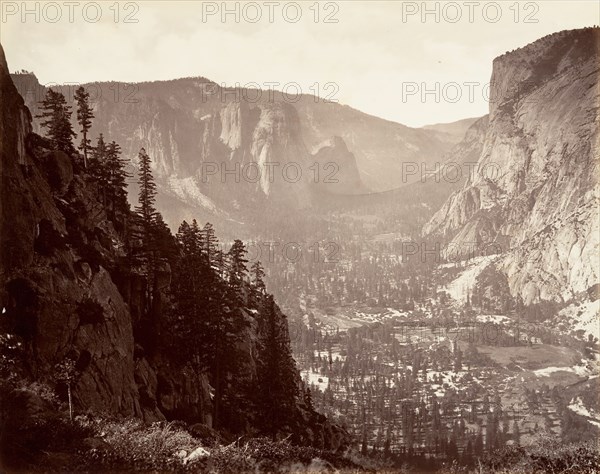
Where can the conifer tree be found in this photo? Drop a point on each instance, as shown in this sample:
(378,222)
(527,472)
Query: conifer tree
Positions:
(258,275)
(146,217)
(84,118)
(210,246)
(237,269)
(190,240)
(116,177)
(191,298)
(190,271)
(308,398)
(56,114)
(146,210)
(66,372)
(259,290)
(206,319)
(278,387)
(98,165)
(163,241)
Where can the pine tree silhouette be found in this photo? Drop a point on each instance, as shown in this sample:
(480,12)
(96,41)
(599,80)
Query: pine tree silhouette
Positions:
(84,118)
(56,114)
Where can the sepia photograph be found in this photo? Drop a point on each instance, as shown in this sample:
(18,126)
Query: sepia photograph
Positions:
(312,236)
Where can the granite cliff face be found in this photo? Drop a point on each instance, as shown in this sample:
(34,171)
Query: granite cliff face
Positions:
(533,197)
(337,169)
(51,225)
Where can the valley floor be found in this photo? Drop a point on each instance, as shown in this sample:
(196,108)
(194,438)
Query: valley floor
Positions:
(447,383)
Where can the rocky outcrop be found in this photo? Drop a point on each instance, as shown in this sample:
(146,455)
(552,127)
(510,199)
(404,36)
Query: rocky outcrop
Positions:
(277,139)
(57,298)
(337,170)
(236,126)
(534,195)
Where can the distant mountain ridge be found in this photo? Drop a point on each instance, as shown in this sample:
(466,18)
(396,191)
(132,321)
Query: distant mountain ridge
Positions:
(407,208)
(456,130)
(187,125)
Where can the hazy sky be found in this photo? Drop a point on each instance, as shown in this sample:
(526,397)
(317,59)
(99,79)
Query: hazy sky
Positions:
(379,57)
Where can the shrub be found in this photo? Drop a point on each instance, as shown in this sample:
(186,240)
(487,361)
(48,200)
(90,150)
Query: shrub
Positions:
(135,446)
(547,456)
(264,455)
(33,425)
(41,390)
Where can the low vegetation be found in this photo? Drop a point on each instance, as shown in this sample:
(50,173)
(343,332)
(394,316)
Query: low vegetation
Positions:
(549,455)
(37,435)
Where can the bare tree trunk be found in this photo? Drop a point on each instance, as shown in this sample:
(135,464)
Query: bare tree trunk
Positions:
(217,405)
(85,155)
(70,402)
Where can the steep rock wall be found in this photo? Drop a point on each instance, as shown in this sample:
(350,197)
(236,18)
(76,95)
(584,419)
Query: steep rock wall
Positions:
(534,194)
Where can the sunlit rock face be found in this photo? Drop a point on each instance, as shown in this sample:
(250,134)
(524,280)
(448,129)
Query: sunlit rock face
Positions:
(534,194)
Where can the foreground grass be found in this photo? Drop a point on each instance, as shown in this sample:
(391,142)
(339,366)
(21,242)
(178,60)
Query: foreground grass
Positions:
(100,445)
(133,446)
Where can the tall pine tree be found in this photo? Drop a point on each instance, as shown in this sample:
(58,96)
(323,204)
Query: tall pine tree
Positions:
(237,270)
(98,165)
(144,248)
(116,178)
(84,118)
(211,247)
(56,115)
(258,275)
(258,285)
(146,208)
(278,387)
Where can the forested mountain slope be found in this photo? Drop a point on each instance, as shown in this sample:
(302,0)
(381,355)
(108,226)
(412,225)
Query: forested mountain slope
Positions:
(96,301)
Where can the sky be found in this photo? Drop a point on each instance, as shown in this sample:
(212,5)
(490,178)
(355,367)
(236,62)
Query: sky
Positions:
(415,63)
